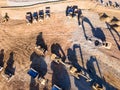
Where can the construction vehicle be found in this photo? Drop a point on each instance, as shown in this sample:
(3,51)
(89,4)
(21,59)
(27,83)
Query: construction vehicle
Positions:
(39,51)
(73,71)
(42,81)
(34,74)
(41,15)
(7,75)
(47,12)
(35,17)
(97,86)
(99,43)
(29,18)
(6,17)
(107,45)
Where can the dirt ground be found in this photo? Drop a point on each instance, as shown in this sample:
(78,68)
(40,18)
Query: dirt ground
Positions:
(18,41)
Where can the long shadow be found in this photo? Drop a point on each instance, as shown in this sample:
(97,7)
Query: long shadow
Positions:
(56,49)
(79,16)
(95,78)
(73,59)
(40,41)
(111,31)
(97,32)
(2,57)
(81,83)
(9,68)
(60,76)
(38,64)
(33,85)
(75,47)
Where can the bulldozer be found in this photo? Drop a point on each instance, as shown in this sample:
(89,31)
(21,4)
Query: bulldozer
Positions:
(41,15)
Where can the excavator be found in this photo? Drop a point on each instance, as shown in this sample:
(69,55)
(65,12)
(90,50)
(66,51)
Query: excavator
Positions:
(39,51)
(74,72)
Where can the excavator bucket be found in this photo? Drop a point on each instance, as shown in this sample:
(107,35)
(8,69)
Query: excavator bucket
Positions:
(29,18)
(7,75)
(39,50)
(97,86)
(73,71)
(56,58)
(41,15)
(35,17)
(42,81)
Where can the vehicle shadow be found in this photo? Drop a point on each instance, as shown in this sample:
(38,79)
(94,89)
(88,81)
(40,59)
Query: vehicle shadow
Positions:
(40,42)
(111,32)
(72,54)
(38,64)
(34,85)
(56,49)
(93,66)
(9,68)
(96,32)
(60,76)
(2,57)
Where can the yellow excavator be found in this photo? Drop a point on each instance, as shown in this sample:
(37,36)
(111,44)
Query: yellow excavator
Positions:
(72,70)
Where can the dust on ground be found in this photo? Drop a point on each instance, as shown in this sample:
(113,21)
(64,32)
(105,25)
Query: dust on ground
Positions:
(20,39)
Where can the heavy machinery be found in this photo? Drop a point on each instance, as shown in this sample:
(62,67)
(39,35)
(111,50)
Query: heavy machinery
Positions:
(75,10)
(99,43)
(73,71)
(7,75)
(69,11)
(97,86)
(39,51)
(35,17)
(29,18)
(42,81)
(41,15)
(34,74)
(47,12)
